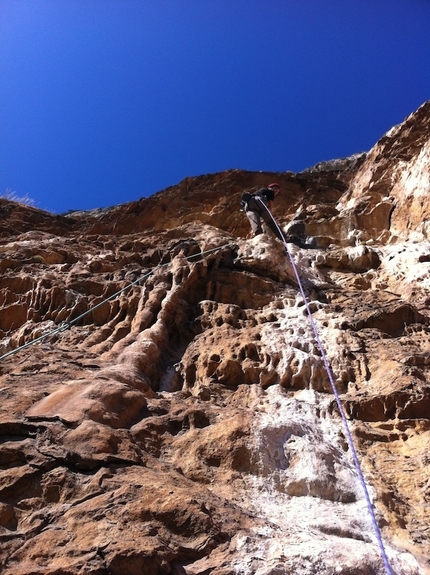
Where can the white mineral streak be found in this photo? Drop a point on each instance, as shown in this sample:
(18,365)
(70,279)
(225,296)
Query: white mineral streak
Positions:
(305,487)
(307,493)
(405,264)
(414,178)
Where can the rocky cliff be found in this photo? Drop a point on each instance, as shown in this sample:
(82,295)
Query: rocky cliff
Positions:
(172,412)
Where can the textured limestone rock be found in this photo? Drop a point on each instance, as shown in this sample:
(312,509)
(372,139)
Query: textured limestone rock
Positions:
(175,414)
(388,197)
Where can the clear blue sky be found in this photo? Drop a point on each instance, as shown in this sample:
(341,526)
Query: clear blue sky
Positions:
(106,101)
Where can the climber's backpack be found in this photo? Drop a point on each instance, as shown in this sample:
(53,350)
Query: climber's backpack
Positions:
(244,199)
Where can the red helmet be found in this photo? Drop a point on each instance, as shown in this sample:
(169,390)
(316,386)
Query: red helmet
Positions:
(274,185)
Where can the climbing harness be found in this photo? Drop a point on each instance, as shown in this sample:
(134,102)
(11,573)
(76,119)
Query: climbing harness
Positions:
(339,404)
(67,325)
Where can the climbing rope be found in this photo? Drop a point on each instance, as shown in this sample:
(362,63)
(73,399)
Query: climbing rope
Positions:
(67,325)
(336,395)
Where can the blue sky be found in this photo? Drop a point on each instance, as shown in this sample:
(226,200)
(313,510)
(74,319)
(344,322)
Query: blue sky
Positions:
(106,101)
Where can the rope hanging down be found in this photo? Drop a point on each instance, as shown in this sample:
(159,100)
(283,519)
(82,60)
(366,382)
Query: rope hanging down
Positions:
(339,404)
(67,325)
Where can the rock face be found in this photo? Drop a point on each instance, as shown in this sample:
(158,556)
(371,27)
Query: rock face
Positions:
(173,413)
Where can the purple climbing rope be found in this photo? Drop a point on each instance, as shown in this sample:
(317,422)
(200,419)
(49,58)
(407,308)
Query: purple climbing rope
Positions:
(339,404)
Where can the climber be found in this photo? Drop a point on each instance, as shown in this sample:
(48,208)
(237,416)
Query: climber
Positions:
(256,212)
(258,207)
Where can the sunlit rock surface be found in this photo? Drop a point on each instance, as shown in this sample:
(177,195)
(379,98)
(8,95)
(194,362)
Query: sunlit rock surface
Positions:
(187,424)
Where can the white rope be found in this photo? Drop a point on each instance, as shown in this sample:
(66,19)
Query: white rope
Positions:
(339,404)
(68,325)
